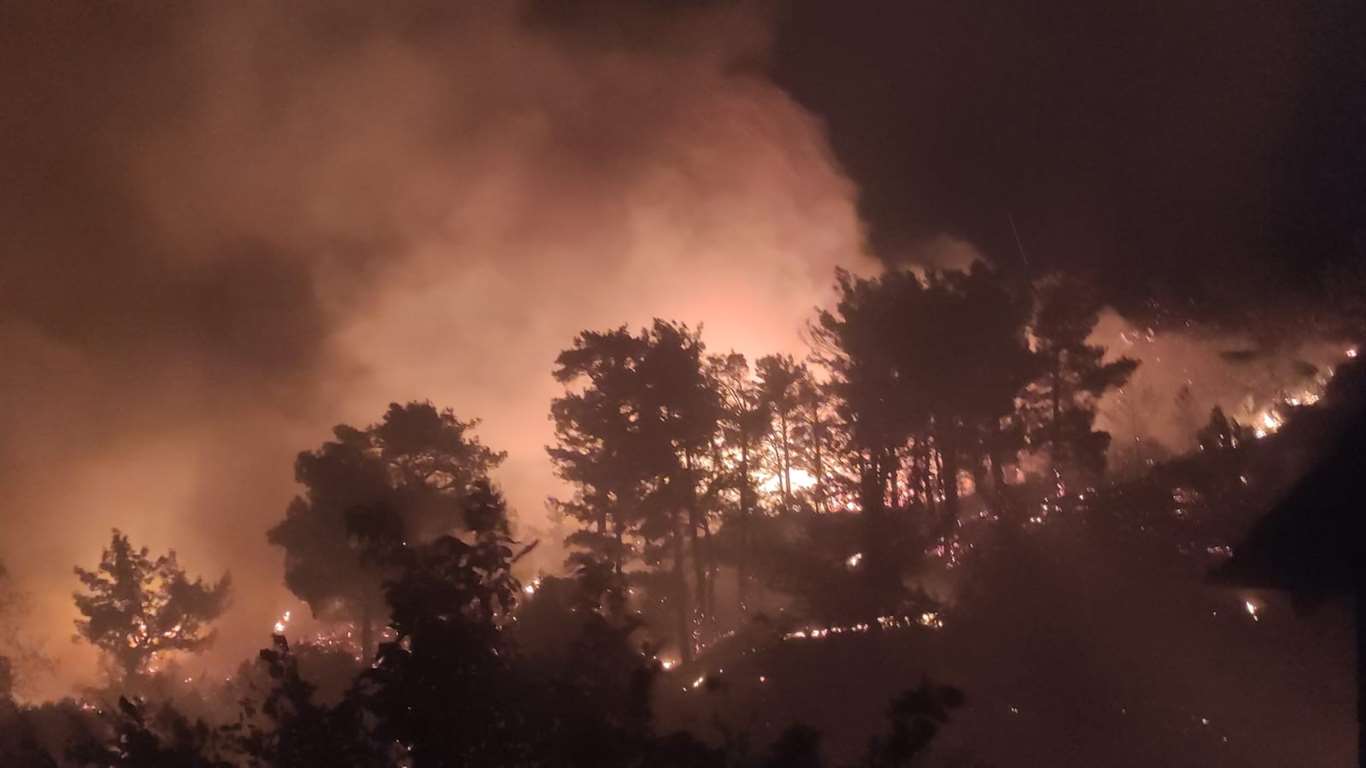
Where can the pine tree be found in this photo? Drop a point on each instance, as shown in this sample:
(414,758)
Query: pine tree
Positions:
(780,378)
(634,433)
(137,608)
(599,441)
(680,413)
(926,372)
(21,657)
(745,422)
(1062,402)
(814,434)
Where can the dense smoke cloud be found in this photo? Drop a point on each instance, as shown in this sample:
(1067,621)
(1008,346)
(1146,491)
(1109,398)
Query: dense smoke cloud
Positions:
(229,227)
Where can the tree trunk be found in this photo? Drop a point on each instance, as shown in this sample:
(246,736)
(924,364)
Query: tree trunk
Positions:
(710,549)
(367,640)
(998,484)
(1056,427)
(880,571)
(998,473)
(787,464)
(626,507)
(742,556)
(922,465)
(949,477)
(932,474)
(621,546)
(979,477)
(131,666)
(694,523)
(699,568)
(819,466)
(681,594)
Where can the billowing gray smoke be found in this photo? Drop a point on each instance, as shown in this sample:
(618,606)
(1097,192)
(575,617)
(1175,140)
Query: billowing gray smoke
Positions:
(230,226)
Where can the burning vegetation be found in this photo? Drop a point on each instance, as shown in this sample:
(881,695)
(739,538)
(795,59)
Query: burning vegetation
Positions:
(942,428)
(622,384)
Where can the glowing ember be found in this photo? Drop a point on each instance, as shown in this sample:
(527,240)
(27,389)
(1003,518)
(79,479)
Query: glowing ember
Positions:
(1252,609)
(929,619)
(853,560)
(951,549)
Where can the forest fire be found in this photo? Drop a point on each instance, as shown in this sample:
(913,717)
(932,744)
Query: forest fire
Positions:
(616,384)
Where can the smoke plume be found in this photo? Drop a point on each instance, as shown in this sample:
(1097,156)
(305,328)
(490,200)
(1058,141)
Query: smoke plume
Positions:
(230,226)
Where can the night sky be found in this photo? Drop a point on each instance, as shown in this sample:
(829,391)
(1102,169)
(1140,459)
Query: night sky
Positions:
(1205,154)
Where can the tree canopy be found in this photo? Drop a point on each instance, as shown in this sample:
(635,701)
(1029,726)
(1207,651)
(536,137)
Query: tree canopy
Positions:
(136,608)
(369,493)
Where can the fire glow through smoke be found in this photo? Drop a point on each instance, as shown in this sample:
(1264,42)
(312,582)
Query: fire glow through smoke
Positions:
(287,259)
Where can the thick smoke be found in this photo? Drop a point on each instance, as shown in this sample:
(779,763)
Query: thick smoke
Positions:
(230,226)
(1184,373)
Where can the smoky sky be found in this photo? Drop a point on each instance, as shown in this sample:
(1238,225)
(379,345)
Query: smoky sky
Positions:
(228,227)
(1206,155)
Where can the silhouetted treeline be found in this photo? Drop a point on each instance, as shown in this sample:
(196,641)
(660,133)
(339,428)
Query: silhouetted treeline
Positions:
(713,498)
(918,386)
(463,680)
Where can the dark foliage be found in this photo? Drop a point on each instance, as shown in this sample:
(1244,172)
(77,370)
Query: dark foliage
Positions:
(370,493)
(136,607)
